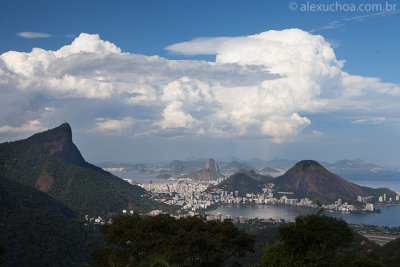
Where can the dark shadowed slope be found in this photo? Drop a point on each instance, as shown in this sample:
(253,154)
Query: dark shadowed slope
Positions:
(37,230)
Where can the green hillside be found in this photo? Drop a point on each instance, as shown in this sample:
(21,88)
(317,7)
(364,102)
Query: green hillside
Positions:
(46,187)
(36,230)
(51,163)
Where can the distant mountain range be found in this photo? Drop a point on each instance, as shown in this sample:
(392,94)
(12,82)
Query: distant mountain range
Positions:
(273,167)
(341,165)
(280,164)
(353,165)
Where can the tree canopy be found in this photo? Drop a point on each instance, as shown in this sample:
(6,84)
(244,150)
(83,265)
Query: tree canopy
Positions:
(190,241)
(315,240)
(311,240)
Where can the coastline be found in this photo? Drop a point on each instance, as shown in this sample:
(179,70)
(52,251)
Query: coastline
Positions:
(389,215)
(218,205)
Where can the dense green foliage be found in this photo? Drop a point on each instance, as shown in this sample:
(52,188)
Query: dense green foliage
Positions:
(37,230)
(183,242)
(316,240)
(390,253)
(310,240)
(265,233)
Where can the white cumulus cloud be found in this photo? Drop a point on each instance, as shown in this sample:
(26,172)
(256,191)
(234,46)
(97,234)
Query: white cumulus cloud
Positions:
(264,85)
(109,126)
(26,128)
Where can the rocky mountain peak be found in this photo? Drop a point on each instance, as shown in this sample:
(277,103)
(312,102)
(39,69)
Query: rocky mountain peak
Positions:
(212,165)
(58,142)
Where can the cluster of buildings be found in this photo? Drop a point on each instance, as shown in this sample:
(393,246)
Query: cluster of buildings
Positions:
(388,199)
(194,196)
(190,195)
(199,195)
(340,206)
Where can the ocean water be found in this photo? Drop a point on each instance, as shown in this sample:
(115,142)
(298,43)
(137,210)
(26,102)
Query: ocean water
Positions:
(389,216)
(389,179)
(141,178)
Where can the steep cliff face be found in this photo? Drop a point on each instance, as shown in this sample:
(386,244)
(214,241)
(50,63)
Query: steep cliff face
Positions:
(210,172)
(62,146)
(56,142)
(211,165)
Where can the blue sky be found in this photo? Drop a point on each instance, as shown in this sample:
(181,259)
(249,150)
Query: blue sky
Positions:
(370,46)
(110,124)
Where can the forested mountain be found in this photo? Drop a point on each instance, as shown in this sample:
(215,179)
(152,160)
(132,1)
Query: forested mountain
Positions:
(46,187)
(51,163)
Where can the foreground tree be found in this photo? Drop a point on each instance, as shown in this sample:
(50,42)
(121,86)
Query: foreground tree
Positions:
(170,242)
(311,240)
(390,253)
